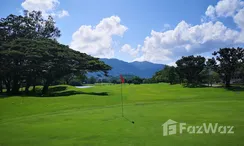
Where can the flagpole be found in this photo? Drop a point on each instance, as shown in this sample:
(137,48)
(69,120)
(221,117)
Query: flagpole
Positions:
(122,102)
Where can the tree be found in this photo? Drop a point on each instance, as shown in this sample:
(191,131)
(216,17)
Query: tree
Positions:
(30,26)
(60,60)
(137,80)
(92,80)
(47,59)
(129,82)
(13,64)
(147,81)
(105,81)
(209,76)
(190,67)
(241,73)
(230,59)
(169,75)
(68,78)
(29,51)
(162,75)
(173,77)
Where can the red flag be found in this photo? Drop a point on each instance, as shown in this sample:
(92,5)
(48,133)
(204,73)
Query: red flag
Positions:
(122,79)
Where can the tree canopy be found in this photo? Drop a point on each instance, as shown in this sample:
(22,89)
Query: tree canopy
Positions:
(29,52)
(190,67)
(230,59)
(227,64)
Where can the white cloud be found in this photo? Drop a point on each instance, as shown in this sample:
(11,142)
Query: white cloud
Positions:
(224,8)
(172,64)
(186,39)
(166,27)
(210,12)
(97,41)
(48,7)
(229,8)
(239,19)
(131,51)
(60,14)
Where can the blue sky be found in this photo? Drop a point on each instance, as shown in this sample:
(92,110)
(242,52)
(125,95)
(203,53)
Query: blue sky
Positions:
(159,31)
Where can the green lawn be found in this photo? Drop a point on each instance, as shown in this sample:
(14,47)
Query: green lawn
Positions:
(94,117)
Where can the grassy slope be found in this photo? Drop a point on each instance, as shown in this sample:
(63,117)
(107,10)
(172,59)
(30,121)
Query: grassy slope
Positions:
(86,119)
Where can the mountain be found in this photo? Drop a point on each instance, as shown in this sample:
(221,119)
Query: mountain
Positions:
(142,69)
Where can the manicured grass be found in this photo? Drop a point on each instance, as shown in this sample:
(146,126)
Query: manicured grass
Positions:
(92,116)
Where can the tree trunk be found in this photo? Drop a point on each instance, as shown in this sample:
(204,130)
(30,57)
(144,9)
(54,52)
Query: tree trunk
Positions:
(16,85)
(15,89)
(27,88)
(227,81)
(34,88)
(45,87)
(227,84)
(1,86)
(7,84)
(34,85)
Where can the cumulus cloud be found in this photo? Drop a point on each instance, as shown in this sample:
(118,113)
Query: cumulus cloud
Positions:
(60,14)
(229,8)
(97,41)
(210,12)
(186,39)
(172,64)
(239,19)
(224,8)
(166,27)
(131,51)
(48,7)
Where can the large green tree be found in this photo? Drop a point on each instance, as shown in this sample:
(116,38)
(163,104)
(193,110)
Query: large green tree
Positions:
(190,67)
(168,74)
(29,51)
(60,61)
(162,75)
(229,60)
(173,76)
(29,26)
(28,59)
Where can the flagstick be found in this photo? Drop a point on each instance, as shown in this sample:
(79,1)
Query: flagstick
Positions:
(122,102)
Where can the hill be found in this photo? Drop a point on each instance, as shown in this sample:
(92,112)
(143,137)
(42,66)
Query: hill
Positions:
(142,69)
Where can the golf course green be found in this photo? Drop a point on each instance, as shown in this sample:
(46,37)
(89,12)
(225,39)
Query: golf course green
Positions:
(92,116)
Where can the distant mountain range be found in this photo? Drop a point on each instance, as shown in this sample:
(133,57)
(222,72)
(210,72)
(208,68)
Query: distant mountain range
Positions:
(142,69)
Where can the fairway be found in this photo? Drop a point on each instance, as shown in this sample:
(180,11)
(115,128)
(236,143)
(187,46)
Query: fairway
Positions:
(93,117)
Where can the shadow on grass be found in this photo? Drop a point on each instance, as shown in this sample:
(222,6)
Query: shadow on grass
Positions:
(57,88)
(3,95)
(54,92)
(236,88)
(68,93)
(195,86)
